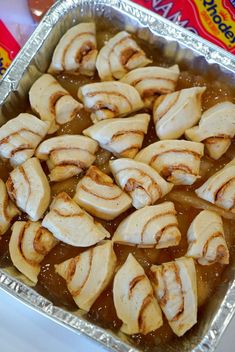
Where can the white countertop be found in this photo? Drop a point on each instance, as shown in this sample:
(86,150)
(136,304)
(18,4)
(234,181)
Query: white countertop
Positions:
(24,330)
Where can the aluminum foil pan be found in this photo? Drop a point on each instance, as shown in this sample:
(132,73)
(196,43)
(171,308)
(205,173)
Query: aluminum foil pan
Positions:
(175,45)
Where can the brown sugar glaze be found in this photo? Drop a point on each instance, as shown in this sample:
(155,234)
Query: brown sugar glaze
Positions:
(209,278)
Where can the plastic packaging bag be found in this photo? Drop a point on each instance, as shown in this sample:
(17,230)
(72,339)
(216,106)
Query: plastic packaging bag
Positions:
(8,48)
(213,20)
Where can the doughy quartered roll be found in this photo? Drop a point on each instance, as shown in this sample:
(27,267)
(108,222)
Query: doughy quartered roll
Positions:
(176,160)
(72,225)
(29,188)
(206,239)
(20,137)
(88,274)
(216,129)
(140,181)
(219,189)
(52,102)
(76,51)
(67,155)
(99,195)
(8,210)
(122,137)
(134,301)
(174,113)
(175,288)
(106,100)
(153,81)
(29,244)
(152,226)
(119,55)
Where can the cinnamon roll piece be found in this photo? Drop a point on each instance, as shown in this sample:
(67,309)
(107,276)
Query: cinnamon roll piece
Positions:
(7,209)
(206,239)
(175,288)
(216,129)
(29,244)
(52,102)
(29,188)
(72,225)
(88,274)
(122,137)
(99,195)
(174,113)
(219,189)
(176,160)
(76,51)
(152,226)
(106,100)
(134,300)
(67,155)
(20,137)
(153,81)
(120,55)
(140,181)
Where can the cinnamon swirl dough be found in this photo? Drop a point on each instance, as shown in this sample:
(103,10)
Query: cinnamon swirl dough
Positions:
(67,155)
(99,195)
(29,188)
(174,113)
(206,239)
(20,136)
(76,51)
(106,100)
(72,225)
(29,244)
(7,209)
(88,274)
(52,102)
(176,160)
(153,81)
(175,288)
(152,226)
(134,301)
(119,55)
(219,189)
(140,181)
(216,129)
(122,137)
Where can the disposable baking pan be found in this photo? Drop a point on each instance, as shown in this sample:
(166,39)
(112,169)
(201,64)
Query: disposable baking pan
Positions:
(175,45)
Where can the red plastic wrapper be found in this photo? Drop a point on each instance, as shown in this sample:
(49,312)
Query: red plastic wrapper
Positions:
(8,48)
(213,20)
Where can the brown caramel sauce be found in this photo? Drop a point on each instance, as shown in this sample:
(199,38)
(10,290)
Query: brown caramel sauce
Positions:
(103,311)
(4,250)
